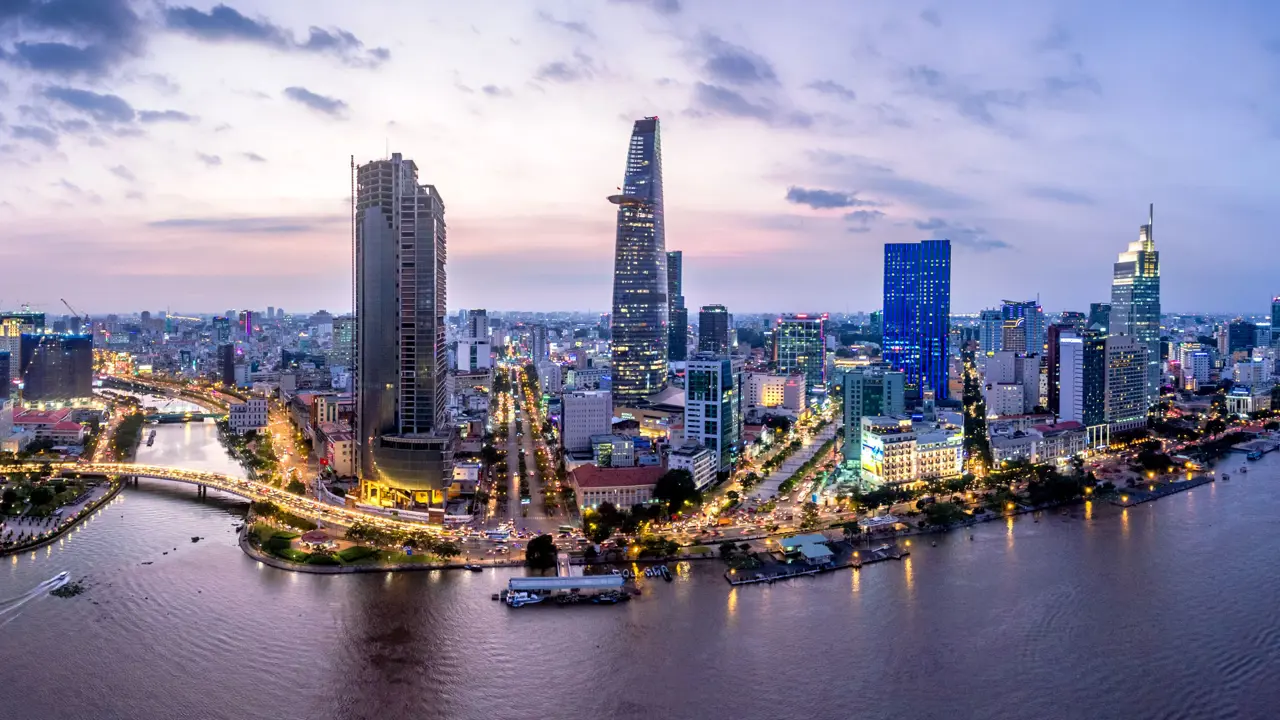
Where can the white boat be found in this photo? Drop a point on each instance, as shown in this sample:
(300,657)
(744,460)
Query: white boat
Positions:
(518,599)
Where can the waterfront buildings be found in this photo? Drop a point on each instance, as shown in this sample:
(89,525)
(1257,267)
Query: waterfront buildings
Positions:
(1082,382)
(640,323)
(917,312)
(698,461)
(623,487)
(249,415)
(1040,443)
(403,444)
(713,405)
(873,390)
(584,414)
(1126,383)
(1135,303)
(678,314)
(799,344)
(897,451)
(714,322)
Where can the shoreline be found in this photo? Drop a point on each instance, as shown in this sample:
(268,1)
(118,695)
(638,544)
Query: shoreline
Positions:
(117,486)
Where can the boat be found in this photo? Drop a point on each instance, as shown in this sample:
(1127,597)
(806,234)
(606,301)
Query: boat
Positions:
(520,599)
(61,577)
(1253,455)
(1244,469)
(473,567)
(666,574)
(1226,476)
(648,572)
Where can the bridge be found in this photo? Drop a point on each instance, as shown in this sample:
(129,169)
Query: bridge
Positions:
(182,417)
(252,490)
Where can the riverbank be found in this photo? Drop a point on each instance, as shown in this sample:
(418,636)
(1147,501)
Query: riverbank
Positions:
(282,564)
(115,487)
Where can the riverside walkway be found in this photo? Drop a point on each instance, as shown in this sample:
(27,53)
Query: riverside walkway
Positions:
(305,507)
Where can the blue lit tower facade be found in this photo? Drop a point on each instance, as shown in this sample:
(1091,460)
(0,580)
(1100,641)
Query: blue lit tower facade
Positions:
(1135,301)
(917,312)
(640,281)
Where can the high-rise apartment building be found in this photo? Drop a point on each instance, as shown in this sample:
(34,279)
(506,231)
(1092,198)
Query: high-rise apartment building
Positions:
(403,445)
(1126,384)
(57,368)
(799,345)
(1135,301)
(714,322)
(990,331)
(227,364)
(342,352)
(713,405)
(1099,317)
(640,311)
(1275,320)
(539,350)
(1031,316)
(475,324)
(1013,335)
(1194,363)
(873,390)
(11,330)
(678,314)
(917,312)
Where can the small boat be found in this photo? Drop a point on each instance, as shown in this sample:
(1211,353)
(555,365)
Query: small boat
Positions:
(520,599)
(61,577)
(473,567)
(1226,476)
(1244,469)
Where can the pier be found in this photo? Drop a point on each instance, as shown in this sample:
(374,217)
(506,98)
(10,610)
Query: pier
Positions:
(1146,493)
(845,556)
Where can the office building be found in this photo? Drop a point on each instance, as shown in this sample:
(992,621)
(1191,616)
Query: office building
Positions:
(1241,336)
(403,444)
(678,314)
(1195,363)
(1077,321)
(1082,379)
(799,346)
(713,405)
(696,460)
(640,320)
(1013,335)
(1053,362)
(584,414)
(539,350)
(613,451)
(56,368)
(7,360)
(1126,383)
(714,322)
(1011,383)
(550,377)
(474,354)
(475,324)
(222,329)
(917,312)
(873,390)
(249,415)
(244,325)
(773,390)
(1099,317)
(1031,316)
(1135,302)
(11,343)
(227,364)
(990,331)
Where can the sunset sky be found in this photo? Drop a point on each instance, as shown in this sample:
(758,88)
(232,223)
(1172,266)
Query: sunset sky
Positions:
(196,157)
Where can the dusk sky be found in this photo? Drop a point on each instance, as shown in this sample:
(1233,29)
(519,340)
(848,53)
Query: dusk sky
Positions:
(196,158)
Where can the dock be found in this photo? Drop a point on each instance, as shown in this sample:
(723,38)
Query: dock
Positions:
(845,557)
(1129,497)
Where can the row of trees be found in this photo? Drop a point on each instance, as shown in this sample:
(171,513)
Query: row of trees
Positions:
(418,539)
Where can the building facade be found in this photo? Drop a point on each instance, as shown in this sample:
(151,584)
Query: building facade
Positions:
(714,322)
(584,414)
(799,343)
(990,331)
(56,368)
(713,405)
(1031,316)
(1126,386)
(917,312)
(678,314)
(870,391)
(1135,303)
(403,443)
(249,415)
(640,320)
(697,460)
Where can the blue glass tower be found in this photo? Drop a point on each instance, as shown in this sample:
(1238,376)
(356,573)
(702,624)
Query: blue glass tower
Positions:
(640,281)
(917,312)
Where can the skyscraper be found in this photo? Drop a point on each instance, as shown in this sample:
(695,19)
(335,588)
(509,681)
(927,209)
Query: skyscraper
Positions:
(640,309)
(678,335)
(57,367)
(1032,317)
(800,345)
(917,312)
(990,331)
(1135,301)
(713,329)
(1099,317)
(869,391)
(1275,320)
(403,445)
(538,348)
(713,405)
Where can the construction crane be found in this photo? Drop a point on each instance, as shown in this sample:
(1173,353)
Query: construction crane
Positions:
(75,315)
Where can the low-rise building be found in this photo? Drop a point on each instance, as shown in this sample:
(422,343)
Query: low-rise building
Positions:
(896,451)
(697,460)
(623,487)
(249,415)
(613,450)
(53,425)
(1245,399)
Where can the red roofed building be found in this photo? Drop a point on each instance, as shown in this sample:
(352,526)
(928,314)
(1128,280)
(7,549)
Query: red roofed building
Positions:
(55,425)
(622,486)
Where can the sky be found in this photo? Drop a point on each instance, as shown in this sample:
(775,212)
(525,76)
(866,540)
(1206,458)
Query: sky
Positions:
(160,155)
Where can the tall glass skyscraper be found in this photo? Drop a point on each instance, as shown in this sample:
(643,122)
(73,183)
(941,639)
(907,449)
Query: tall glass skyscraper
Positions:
(799,345)
(640,309)
(917,312)
(1032,315)
(1275,320)
(1135,301)
(678,337)
(403,444)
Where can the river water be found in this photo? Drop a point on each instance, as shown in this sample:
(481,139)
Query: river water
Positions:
(1165,610)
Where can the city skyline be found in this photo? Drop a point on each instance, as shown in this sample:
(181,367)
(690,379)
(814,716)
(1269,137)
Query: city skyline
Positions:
(164,185)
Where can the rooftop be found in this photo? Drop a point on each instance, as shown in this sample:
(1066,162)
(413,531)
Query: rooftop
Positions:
(591,476)
(41,417)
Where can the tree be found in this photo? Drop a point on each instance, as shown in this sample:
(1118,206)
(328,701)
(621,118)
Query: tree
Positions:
(851,530)
(727,548)
(809,519)
(676,489)
(732,496)
(10,496)
(296,487)
(41,496)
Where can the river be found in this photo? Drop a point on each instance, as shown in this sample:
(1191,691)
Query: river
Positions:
(1165,610)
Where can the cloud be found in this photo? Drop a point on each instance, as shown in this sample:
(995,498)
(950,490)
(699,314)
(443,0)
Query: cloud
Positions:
(1057,194)
(662,7)
(495,91)
(103,108)
(973,238)
(79,192)
(44,136)
(209,160)
(75,37)
(732,64)
(320,103)
(123,173)
(882,181)
(977,105)
(834,89)
(712,100)
(254,157)
(860,220)
(929,15)
(824,199)
(573,26)
(272,225)
(154,116)
(225,24)
(582,67)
